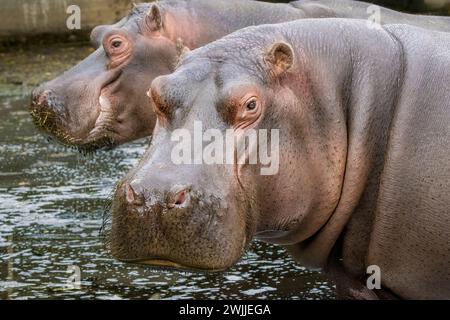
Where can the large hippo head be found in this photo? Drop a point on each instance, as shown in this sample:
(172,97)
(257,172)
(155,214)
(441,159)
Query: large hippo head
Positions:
(101,101)
(197,205)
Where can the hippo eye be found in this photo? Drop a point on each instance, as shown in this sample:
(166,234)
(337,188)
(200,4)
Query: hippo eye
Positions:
(117,48)
(251,104)
(116,43)
(244,112)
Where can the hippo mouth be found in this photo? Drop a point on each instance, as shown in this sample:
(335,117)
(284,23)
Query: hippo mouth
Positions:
(101,136)
(46,119)
(50,124)
(160,263)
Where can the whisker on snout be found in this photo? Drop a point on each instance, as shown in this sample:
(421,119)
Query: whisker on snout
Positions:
(106,226)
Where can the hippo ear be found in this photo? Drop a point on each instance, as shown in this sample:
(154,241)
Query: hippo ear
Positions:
(279,58)
(154,18)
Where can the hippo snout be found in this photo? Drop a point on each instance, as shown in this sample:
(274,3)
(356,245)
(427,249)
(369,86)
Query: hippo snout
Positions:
(39,96)
(45,109)
(179,224)
(45,99)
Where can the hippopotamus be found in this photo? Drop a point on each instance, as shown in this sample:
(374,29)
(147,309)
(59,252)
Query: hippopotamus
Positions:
(101,101)
(363,174)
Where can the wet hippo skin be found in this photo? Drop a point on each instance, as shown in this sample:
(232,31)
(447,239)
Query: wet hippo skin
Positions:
(101,102)
(364,174)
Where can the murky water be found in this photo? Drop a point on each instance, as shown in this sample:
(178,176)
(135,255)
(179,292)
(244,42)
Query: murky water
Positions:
(51,205)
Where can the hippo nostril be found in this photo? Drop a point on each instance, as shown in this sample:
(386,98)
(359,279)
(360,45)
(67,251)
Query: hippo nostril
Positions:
(179,198)
(39,98)
(36,97)
(132,197)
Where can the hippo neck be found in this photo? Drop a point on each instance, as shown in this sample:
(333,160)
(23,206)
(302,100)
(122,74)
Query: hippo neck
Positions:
(198,22)
(373,76)
(182,24)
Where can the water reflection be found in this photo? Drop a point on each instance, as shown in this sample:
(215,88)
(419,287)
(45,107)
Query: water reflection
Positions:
(51,205)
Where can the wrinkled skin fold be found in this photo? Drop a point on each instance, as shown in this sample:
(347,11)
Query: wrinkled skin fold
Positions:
(101,102)
(364,175)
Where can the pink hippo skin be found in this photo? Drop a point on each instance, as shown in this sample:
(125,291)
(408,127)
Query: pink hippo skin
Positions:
(364,161)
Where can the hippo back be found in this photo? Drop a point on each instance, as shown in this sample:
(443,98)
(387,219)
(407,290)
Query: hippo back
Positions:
(363,10)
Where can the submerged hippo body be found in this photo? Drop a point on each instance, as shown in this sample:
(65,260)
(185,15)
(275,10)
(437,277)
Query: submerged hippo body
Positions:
(364,173)
(101,102)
